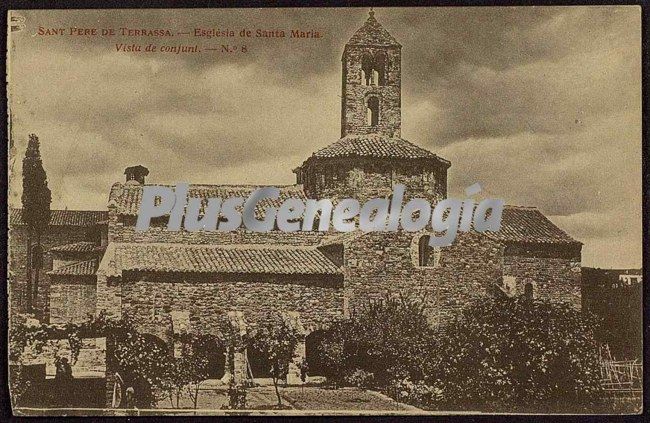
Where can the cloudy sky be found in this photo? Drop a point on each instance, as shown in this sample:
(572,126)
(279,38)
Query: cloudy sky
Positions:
(541,106)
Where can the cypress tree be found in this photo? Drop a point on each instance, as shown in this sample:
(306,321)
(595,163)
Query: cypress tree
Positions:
(36,201)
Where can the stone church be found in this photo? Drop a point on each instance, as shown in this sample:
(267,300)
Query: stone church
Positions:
(170,281)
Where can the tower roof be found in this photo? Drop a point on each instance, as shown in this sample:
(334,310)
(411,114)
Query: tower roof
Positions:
(375,146)
(372,34)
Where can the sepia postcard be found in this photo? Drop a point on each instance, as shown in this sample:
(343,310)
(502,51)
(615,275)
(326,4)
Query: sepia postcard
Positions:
(325,211)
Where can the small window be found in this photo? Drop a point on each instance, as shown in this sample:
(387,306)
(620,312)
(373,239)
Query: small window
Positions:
(428,256)
(373,70)
(372,111)
(529,290)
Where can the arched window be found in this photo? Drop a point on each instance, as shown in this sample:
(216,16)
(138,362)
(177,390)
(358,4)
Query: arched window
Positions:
(380,69)
(372,111)
(373,69)
(366,69)
(423,251)
(529,290)
(428,256)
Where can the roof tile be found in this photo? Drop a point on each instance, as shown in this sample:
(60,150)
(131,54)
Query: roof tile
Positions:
(528,224)
(127,198)
(64,217)
(372,33)
(77,247)
(161,257)
(376,146)
(82,268)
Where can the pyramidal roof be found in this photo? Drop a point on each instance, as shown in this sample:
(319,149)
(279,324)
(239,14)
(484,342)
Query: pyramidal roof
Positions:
(373,34)
(375,146)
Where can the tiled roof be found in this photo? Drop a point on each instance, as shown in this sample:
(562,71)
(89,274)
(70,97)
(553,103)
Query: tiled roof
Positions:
(518,224)
(127,198)
(77,247)
(528,224)
(160,257)
(372,33)
(82,268)
(64,217)
(376,146)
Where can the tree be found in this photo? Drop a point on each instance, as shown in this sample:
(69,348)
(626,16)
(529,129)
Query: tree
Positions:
(190,369)
(388,339)
(332,353)
(277,339)
(36,201)
(501,353)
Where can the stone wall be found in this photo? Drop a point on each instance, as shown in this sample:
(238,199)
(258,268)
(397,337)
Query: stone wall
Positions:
(90,363)
(381,264)
(371,178)
(554,278)
(72,299)
(54,236)
(354,95)
(152,301)
(109,296)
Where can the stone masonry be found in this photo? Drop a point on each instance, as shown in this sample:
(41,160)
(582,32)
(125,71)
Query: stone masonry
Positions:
(163,279)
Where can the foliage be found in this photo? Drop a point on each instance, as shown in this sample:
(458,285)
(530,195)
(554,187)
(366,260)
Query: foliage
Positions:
(19,383)
(36,200)
(498,353)
(361,379)
(22,334)
(236,397)
(36,197)
(389,339)
(332,353)
(417,393)
(191,367)
(277,339)
(143,361)
(504,352)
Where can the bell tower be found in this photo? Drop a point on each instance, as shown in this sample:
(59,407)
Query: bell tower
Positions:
(371,157)
(371,88)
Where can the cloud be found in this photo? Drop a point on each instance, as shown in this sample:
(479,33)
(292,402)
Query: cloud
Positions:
(541,105)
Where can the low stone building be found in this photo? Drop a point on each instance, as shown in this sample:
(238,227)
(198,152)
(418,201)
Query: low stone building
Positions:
(66,227)
(169,280)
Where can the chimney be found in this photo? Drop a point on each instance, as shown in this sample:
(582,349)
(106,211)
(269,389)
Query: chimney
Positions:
(136,174)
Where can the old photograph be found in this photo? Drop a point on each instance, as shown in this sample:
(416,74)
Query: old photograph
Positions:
(325,211)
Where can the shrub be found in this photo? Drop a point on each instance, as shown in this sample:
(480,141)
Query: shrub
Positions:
(277,339)
(389,339)
(416,393)
(501,353)
(361,379)
(236,397)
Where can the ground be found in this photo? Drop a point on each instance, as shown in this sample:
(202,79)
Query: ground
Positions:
(213,396)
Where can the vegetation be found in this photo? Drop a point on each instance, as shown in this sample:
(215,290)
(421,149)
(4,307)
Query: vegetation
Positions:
(498,354)
(36,200)
(515,354)
(507,352)
(277,339)
(385,340)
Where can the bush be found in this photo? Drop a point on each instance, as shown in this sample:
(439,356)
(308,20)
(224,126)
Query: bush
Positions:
(277,339)
(236,397)
(416,393)
(388,339)
(361,379)
(502,353)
